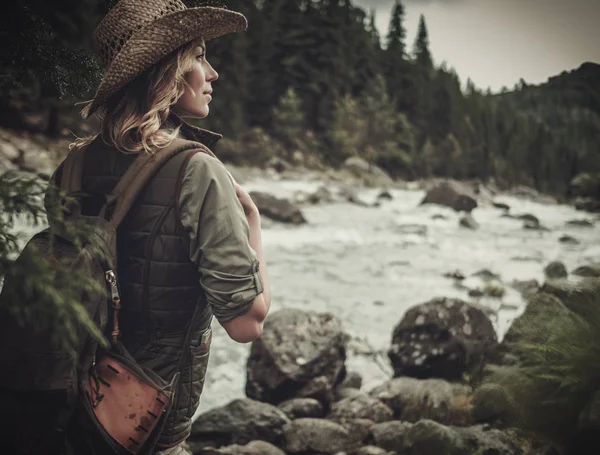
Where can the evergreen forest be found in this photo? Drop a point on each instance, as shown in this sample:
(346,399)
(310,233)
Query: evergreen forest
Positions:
(315,77)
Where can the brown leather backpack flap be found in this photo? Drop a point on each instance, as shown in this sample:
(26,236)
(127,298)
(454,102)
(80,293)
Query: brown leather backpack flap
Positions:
(127,407)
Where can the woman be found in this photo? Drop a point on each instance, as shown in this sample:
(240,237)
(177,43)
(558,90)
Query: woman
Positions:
(193,235)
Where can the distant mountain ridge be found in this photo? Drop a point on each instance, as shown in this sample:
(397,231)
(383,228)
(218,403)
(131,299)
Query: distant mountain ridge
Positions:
(578,88)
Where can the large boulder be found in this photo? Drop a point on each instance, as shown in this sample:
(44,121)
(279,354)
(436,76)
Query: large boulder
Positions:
(370,174)
(299,354)
(238,422)
(277,209)
(443,338)
(413,399)
(455,195)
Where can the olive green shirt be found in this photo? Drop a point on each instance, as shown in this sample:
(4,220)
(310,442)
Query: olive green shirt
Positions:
(219,237)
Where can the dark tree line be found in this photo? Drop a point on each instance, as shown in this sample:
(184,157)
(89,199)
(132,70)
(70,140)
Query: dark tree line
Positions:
(315,77)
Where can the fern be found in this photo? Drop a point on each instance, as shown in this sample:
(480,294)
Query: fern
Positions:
(53,295)
(559,360)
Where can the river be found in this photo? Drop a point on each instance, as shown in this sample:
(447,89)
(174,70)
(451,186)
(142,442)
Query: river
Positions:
(368,265)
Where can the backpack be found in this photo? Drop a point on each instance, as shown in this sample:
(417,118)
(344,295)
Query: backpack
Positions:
(45,383)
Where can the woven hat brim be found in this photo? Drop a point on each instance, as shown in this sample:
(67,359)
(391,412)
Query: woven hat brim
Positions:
(158,39)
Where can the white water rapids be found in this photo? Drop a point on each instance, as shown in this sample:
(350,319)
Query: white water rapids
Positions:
(368,265)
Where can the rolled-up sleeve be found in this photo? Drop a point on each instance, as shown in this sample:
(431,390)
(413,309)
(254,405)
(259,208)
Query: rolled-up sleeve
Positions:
(218,231)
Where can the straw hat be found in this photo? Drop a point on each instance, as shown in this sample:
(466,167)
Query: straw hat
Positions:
(136,34)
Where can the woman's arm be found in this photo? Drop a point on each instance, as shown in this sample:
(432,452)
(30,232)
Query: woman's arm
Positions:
(248,327)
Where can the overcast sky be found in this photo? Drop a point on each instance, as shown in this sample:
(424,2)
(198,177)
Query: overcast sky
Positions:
(496,42)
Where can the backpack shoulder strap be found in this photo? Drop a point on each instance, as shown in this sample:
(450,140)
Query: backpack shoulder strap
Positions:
(140,172)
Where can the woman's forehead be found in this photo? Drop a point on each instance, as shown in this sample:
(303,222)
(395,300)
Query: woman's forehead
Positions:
(199,42)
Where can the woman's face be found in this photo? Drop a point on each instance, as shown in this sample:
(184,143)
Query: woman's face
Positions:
(194,101)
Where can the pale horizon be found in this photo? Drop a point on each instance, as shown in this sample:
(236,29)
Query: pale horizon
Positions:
(495,43)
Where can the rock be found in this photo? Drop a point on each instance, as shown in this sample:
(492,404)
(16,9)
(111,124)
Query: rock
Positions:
(389,435)
(580,223)
(555,269)
(541,305)
(443,338)
(277,209)
(476,293)
(586,185)
(412,399)
(358,428)
(534,226)
(479,439)
(573,294)
(587,204)
(345,392)
(349,194)
(526,192)
(361,406)
(319,388)
(491,403)
(469,222)
(369,173)
(385,194)
(501,205)
(487,275)
(590,270)
(316,435)
(298,352)
(370,450)
(427,437)
(451,194)
(297,408)
(238,422)
(568,240)
(252,448)
(353,380)
(456,275)
(526,287)
(322,195)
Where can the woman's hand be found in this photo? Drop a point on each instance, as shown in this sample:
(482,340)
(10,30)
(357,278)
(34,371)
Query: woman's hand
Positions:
(250,209)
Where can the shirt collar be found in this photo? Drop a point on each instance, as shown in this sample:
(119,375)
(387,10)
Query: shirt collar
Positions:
(194,133)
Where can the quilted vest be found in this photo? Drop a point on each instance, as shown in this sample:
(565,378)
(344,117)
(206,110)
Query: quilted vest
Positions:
(159,283)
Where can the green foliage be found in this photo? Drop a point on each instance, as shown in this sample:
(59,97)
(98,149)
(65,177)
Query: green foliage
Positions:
(559,361)
(347,130)
(494,290)
(40,292)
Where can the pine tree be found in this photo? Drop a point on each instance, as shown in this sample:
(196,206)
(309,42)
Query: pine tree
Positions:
(395,40)
(372,30)
(421,52)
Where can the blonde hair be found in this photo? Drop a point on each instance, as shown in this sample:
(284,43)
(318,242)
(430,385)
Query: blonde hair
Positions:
(133,120)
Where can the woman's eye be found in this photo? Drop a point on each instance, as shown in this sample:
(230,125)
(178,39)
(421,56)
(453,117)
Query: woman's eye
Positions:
(201,57)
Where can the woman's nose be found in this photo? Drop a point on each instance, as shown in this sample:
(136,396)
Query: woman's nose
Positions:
(211,75)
